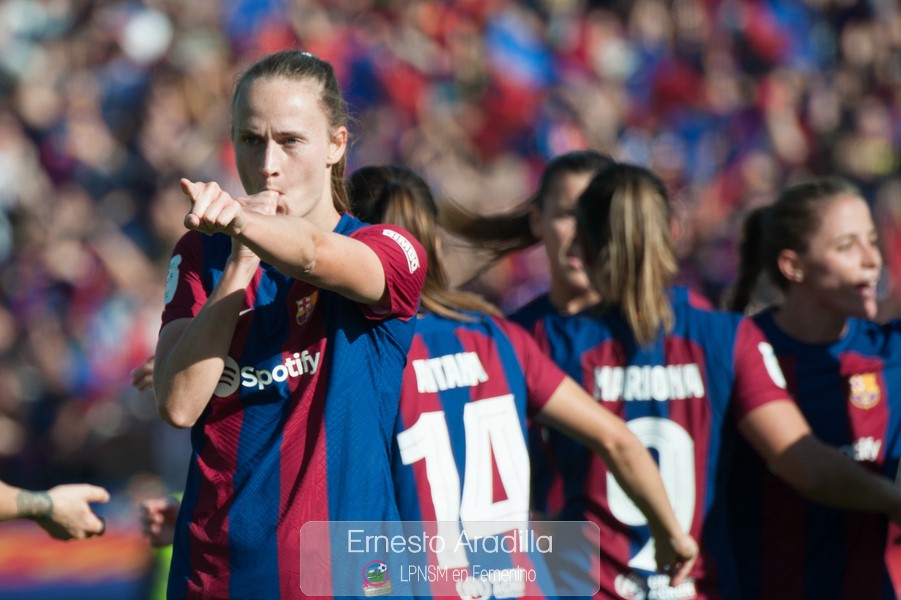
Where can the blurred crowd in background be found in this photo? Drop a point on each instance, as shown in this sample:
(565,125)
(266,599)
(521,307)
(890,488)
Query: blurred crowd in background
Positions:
(105,104)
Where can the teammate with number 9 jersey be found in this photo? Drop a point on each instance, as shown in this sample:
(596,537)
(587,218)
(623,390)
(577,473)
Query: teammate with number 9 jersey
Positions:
(461,466)
(683,379)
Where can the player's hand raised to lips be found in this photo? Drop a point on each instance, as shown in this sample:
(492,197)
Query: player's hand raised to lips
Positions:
(212,209)
(264,203)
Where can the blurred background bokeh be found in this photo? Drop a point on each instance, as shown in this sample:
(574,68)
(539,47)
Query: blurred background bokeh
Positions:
(105,104)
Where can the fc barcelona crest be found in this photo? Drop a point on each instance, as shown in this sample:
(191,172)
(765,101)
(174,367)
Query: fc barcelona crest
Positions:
(305,307)
(864,390)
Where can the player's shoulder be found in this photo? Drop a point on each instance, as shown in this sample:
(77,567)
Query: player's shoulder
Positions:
(707,326)
(682,294)
(527,314)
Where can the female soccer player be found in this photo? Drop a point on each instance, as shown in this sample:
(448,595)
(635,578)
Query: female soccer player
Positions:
(682,378)
(817,243)
(284,335)
(549,217)
(471,380)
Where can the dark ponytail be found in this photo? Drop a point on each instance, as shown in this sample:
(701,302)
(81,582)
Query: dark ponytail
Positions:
(503,233)
(788,224)
(750,260)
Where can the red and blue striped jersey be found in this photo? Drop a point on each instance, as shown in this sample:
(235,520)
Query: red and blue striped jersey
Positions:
(678,395)
(461,454)
(299,427)
(546,494)
(547,484)
(850,393)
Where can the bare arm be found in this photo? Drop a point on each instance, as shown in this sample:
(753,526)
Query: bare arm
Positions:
(782,437)
(190,353)
(294,245)
(62,511)
(572,411)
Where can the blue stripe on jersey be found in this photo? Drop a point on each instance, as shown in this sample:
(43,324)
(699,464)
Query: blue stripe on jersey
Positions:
(526,315)
(256,470)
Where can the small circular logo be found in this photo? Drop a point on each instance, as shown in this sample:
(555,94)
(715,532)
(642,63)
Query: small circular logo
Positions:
(375,573)
(229,380)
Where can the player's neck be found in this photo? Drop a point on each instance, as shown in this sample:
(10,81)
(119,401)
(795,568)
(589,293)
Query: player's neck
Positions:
(806,324)
(570,302)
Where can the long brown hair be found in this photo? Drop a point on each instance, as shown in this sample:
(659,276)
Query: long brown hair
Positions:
(395,194)
(624,227)
(295,65)
(787,224)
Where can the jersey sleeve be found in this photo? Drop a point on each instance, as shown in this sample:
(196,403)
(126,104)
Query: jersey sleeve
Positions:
(758,377)
(696,300)
(543,376)
(185,294)
(404,262)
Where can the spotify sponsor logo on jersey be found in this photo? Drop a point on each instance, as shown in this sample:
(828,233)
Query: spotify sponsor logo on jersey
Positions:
(234,376)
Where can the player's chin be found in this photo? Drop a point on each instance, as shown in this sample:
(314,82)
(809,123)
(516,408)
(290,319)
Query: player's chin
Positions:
(862,308)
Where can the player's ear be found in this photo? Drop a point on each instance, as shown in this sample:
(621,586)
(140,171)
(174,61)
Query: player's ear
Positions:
(789,263)
(337,146)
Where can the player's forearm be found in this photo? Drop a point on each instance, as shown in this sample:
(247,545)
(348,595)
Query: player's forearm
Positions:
(16,503)
(823,474)
(327,260)
(290,244)
(637,474)
(188,368)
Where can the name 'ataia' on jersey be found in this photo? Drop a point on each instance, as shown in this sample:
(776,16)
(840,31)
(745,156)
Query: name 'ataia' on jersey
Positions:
(450,371)
(672,382)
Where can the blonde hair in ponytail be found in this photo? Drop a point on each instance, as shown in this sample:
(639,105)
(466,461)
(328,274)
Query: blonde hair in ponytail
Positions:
(624,226)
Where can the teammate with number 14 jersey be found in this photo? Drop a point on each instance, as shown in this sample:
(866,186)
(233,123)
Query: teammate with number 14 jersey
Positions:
(461,464)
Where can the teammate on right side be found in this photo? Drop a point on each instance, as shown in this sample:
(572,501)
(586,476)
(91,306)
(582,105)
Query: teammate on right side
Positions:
(683,379)
(818,245)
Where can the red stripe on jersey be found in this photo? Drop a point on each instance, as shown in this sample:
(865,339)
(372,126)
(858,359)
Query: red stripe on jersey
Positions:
(303,472)
(782,531)
(218,460)
(695,416)
(486,349)
(868,416)
(413,404)
(783,538)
